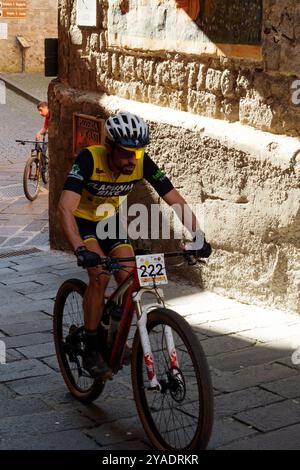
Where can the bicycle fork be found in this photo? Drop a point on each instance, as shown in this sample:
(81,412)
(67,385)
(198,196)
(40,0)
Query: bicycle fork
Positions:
(145,341)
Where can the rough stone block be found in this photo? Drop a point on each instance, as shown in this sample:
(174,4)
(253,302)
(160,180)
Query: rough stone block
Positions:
(213,81)
(228,84)
(254,113)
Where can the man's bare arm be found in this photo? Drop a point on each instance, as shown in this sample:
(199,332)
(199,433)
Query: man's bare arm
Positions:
(68,202)
(185,214)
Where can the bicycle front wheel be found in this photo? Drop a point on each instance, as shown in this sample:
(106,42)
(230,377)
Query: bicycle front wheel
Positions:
(31,178)
(45,168)
(68,328)
(180,415)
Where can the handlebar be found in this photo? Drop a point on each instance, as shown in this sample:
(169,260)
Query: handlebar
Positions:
(23,142)
(111,264)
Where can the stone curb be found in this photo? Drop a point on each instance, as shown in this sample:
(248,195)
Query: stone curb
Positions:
(17,89)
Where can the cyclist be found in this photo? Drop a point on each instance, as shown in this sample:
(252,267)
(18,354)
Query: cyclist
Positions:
(43,110)
(101,175)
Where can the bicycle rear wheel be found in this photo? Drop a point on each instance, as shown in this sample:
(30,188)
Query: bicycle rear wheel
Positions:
(31,178)
(180,415)
(68,330)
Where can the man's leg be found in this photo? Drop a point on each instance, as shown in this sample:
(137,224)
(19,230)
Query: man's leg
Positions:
(123,251)
(93,303)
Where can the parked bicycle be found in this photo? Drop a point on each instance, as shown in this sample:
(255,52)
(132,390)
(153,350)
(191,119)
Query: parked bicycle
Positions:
(36,168)
(169,371)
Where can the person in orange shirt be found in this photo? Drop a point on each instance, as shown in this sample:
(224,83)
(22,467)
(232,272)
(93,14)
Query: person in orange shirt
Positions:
(43,110)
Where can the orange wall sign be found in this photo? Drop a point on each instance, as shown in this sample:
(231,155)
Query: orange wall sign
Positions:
(87,130)
(13,9)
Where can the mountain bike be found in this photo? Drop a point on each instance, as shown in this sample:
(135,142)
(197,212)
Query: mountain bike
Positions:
(36,168)
(169,371)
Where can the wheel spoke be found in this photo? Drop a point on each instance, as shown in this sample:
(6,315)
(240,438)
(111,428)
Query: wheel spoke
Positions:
(176,416)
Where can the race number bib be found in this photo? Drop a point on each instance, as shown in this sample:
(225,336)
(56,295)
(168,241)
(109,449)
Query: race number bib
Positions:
(151,269)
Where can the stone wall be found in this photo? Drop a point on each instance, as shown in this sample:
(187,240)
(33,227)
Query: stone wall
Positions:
(255,92)
(216,125)
(39,23)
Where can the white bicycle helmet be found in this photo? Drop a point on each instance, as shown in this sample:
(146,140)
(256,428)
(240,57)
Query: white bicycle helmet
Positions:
(127,129)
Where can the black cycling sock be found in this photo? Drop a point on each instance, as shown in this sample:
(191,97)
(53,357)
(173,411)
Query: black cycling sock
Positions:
(91,340)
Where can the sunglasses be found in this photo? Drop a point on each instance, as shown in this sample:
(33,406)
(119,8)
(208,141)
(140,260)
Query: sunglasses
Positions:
(139,152)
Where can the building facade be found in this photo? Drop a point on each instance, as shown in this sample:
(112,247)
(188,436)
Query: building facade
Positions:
(31,21)
(219,88)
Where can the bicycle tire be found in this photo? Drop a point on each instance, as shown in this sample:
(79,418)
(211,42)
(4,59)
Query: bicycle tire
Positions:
(32,165)
(90,388)
(45,173)
(45,169)
(147,402)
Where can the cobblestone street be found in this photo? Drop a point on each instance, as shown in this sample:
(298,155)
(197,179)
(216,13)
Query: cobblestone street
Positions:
(249,348)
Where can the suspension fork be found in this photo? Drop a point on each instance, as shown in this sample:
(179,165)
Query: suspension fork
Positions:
(144,336)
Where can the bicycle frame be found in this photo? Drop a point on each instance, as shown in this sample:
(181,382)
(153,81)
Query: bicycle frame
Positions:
(129,295)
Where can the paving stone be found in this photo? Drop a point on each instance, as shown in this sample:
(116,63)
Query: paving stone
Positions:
(21,406)
(287,388)
(253,356)
(118,431)
(16,329)
(21,369)
(249,377)
(271,334)
(27,340)
(222,344)
(274,416)
(38,350)
(134,445)
(50,382)
(61,399)
(42,279)
(227,430)
(234,325)
(36,225)
(231,403)
(62,440)
(46,294)
(287,361)
(25,306)
(5,393)
(42,423)
(106,410)
(27,287)
(282,439)
(13,355)
(52,362)
(14,241)
(15,318)
(5,264)
(4,272)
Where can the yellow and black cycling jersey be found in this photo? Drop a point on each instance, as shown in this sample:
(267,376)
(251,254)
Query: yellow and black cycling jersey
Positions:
(91,177)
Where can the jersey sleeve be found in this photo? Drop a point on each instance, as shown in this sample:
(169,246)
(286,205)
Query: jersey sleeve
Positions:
(156,177)
(80,173)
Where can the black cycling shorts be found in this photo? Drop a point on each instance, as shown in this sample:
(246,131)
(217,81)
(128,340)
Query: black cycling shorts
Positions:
(88,231)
